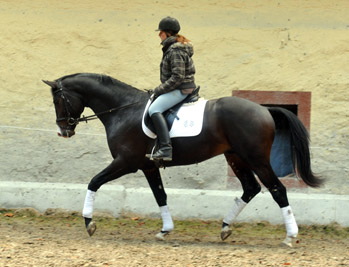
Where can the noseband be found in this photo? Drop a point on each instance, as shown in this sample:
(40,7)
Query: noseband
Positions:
(71,121)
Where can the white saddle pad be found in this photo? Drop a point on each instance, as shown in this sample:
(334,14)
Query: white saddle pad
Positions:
(189,122)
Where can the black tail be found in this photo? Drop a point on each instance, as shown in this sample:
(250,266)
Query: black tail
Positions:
(299,139)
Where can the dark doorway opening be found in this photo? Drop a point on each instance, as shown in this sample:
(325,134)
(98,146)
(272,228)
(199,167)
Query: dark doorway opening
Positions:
(281,156)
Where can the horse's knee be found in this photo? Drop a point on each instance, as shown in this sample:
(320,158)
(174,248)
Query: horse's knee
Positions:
(279,194)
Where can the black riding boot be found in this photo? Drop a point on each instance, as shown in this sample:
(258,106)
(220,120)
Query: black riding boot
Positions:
(164,142)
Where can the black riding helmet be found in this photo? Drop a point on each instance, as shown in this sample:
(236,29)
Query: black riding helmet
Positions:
(169,24)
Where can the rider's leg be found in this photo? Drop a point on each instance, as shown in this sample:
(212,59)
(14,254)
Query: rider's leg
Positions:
(164,142)
(166,101)
(161,104)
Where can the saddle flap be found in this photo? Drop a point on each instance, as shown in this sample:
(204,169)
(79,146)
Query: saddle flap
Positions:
(183,120)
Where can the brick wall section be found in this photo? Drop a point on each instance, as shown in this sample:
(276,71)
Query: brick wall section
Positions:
(301,99)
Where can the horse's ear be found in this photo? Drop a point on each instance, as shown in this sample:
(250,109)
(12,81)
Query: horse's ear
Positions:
(52,84)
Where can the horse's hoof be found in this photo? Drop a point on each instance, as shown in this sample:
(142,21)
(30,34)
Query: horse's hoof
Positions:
(287,242)
(91,228)
(225,233)
(161,235)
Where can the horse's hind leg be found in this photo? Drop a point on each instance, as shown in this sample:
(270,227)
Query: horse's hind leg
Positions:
(279,194)
(250,188)
(154,179)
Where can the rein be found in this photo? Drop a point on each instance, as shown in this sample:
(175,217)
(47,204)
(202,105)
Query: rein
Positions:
(95,116)
(75,121)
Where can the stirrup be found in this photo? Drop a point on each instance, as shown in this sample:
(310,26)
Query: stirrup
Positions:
(161,155)
(150,156)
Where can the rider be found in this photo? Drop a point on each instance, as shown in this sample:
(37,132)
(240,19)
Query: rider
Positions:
(177,81)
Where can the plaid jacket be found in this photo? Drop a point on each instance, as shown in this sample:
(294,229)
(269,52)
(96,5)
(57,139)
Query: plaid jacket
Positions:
(177,67)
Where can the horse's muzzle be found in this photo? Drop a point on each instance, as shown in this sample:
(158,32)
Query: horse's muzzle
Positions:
(65,133)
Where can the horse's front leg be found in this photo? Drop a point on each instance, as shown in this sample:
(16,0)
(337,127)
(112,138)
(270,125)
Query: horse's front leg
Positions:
(154,179)
(115,170)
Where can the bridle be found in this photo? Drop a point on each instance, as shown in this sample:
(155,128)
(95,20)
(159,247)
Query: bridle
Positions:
(71,121)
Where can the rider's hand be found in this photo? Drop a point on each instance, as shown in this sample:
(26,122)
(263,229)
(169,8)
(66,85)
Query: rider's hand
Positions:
(149,91)
(157,92)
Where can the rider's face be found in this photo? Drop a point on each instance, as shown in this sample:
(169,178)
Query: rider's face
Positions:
(162,35)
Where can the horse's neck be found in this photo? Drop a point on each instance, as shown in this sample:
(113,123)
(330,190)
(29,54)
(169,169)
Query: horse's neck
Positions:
(101,98)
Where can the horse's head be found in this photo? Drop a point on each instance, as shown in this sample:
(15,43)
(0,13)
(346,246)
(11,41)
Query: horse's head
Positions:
(68,108)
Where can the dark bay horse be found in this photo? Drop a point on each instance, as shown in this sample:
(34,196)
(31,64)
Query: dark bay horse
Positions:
(241,130)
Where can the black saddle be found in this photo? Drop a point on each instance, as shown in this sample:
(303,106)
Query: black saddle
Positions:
(171,114)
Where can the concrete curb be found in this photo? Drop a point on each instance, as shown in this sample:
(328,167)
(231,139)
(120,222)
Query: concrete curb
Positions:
(183,203)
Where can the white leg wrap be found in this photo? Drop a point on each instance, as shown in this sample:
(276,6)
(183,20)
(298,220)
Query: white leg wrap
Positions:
(290,221)
(167,223)
(88,206)
(235,211)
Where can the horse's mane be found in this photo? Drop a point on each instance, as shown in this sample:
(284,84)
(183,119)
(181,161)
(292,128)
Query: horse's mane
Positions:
(101,78)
